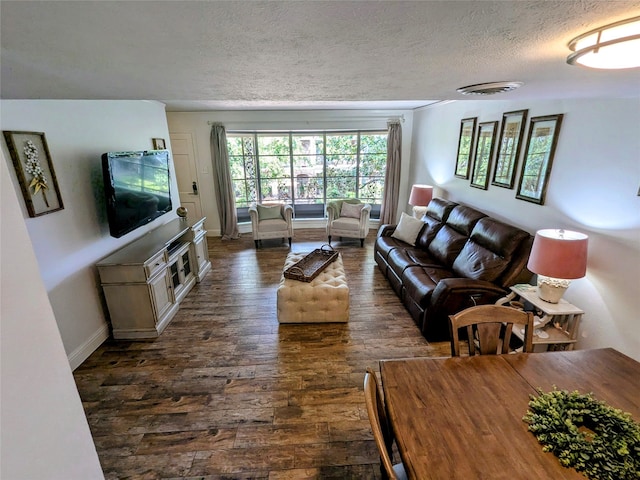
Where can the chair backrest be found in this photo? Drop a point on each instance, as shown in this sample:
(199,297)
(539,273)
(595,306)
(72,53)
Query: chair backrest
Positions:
(378,419)
(490,326)
(336,205)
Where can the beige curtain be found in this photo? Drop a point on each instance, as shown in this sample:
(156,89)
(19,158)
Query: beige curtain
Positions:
(392,175)
(224,186)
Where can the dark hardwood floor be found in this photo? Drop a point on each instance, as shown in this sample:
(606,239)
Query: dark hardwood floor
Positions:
(227,392)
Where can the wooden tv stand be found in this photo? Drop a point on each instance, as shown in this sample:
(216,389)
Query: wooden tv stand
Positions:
(145,281)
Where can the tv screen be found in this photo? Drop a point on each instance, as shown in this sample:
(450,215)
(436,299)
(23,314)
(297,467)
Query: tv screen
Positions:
(137,188)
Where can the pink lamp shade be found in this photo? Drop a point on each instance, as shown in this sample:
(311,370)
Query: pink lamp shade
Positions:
(559,253)
(421,195)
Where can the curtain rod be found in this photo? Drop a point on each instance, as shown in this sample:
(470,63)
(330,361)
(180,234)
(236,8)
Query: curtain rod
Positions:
(398,118)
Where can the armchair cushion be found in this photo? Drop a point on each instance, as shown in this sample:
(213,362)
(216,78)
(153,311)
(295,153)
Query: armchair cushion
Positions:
(351,210)
(269,213)
(408,229)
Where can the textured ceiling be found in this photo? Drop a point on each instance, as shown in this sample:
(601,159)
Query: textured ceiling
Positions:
(207,55)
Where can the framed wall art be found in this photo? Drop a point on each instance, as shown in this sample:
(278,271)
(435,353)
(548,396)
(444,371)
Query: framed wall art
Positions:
(509,146)
(158,144)
(32,162)
(465,146)
(485,144)
(541,146)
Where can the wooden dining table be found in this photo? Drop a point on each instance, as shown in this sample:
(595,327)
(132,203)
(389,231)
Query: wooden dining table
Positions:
(461,417)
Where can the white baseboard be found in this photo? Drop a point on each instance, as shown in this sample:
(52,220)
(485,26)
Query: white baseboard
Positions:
(81,353)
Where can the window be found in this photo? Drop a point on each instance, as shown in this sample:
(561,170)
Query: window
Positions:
(307,169)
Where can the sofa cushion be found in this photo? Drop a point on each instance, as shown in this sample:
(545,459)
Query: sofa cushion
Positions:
(440,209)
(385,245)
(419,282)
(408,229)
(498,237)
(489,250)
(437,213)
(401,258)
(431,227)
(446,245)
(478,263)
(462,219)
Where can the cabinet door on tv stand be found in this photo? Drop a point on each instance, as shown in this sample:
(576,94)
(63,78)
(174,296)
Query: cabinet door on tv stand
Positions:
(162,295)
(201,254)
(181,271)
(131,310)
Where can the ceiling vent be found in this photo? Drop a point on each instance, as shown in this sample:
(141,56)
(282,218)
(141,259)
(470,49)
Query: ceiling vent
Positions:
(489,88)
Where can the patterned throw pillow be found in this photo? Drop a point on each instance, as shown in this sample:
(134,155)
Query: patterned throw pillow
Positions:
(269,213)
(351,209)
(408,229)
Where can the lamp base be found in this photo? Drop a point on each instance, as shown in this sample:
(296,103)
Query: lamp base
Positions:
(419,212)
(551,289)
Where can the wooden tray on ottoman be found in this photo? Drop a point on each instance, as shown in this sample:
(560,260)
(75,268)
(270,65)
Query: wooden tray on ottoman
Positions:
(311,265)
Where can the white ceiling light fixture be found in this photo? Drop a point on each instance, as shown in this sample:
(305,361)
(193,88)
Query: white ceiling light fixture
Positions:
(614,46)
(489,88)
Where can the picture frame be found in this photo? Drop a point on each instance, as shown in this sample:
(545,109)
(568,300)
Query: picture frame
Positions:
(485,145)
(509,147)
(32,162)
(465,146)
(542,140)
(158,144)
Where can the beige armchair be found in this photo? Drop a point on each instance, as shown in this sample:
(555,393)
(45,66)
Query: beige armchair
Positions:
(271,222)
(351,221)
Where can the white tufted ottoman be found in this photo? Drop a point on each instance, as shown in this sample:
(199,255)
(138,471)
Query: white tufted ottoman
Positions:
(324,299)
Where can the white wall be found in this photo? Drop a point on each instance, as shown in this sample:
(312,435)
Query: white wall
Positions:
(196,123)
(592,189)
(68,243)
(44,431)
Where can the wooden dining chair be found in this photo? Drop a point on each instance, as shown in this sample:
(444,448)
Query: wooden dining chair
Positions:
(380,426)
(489,328)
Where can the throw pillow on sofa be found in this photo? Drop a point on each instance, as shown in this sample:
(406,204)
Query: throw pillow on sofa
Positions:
(351,210)
(269,213)
(408,229)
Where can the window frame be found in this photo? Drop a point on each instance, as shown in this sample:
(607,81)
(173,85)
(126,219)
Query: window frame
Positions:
(307,210)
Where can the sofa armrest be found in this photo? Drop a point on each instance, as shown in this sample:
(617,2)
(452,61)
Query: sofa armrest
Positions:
(386,230)
(467,290)
(452,295)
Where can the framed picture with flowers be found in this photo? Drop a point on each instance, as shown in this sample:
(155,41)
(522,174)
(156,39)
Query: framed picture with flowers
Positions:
(158,144)
(32,162)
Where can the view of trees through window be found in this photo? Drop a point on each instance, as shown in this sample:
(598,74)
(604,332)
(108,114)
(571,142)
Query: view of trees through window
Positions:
(307,169)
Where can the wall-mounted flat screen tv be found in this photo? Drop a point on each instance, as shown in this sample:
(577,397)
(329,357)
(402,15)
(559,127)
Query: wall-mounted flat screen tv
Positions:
(137,188)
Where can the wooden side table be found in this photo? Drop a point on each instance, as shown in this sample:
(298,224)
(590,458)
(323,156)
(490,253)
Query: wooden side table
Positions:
(558,323)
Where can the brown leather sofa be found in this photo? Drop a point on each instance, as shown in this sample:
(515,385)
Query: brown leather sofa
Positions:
(462,258)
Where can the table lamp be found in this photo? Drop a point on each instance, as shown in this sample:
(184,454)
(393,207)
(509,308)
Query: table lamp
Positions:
(420,197)
(557,256)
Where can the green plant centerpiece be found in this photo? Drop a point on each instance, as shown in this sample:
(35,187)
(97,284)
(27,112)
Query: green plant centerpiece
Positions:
(587,434)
